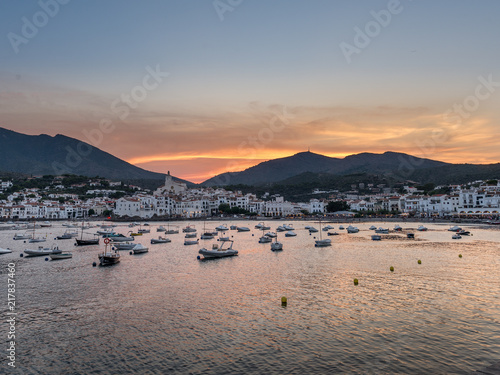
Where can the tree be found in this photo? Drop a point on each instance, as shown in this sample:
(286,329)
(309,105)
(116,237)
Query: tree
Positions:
(91,212)
(335,206)
(224,208)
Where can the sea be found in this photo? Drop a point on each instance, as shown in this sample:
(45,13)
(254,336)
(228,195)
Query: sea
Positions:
(168,312)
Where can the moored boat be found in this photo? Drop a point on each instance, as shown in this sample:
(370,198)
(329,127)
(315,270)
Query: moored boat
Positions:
(219,250)
(42,251)
(140,249)
(60,256)
(160,239)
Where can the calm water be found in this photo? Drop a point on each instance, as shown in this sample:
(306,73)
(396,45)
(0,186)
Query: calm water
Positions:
(165,312)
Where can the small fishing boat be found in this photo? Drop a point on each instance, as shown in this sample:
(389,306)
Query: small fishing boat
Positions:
(382,230)
(323,243)
(189,229)
(341,227)
(351,229)
(373,227)
(421,228)
(265,239)
(243,229)
(160,239)
(455,229)
(290,234)
(332,233)
(42,251)
(161,228)
(23,236)
(219,251)
(140,249)
(120,238)
(190,235)
(221,228)
(233,227)
(456,236)
(376,237)
(410,235)
(123,246)
(60,256)
(262,226)
(397,228)
(271,234)
(5,251)
(109,256)
(67,235)
(191,242)
(276,245)
(312,230)
(464,232)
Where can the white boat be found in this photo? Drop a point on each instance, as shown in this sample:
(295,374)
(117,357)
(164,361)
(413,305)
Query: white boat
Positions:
(265,239)
(288,227)
(456,236)
(37,239)
(307,227)
(351,229)
(60,256)
(327,228)
(332,233)
(24,236)
(276,245)
(189,229)
(207,236)
(140,248)
(262,226)
(219,251)
(42,251)
(5,251)
(323,243)
(46,224)
(233,227)
(224,239)
(464,232)
(108,258)
(455,229)
(105,232)
(120,238)
(67,235)
(144,231)
(397,228)
(373,227)
(161,228)
(281,228)
(243,229)
(271,234)
(382,230)
(171,231)
(290,234)
(376,237)
(190,242)
(160,239)
(190,235)
(421,228)
(221,228)
(123,246)
(341,227)
(312,230)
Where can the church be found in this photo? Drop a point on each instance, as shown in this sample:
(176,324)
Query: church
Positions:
(171,186)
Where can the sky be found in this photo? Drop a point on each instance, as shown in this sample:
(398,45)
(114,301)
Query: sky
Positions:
(200,87)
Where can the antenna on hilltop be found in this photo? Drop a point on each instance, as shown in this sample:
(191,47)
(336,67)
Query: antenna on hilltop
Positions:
(309,149)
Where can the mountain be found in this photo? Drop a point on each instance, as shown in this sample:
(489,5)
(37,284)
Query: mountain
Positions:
(390,163)
(44,155)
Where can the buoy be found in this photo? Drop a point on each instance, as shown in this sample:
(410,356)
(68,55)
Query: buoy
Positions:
(392,269)
(460,255)
(355,281)
(46,259)
(252,234)
(283,301)
(94,264)
(198,257)
(21,255)
(419,261)
(131,252)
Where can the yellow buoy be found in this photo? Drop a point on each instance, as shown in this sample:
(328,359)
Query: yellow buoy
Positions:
(355,281)
(460,255)
(283,301)
(392,269)
(419,261)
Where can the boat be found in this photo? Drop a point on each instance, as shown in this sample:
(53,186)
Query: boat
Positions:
(42,251)
(223,239)
(262,226)
(454,229)
(464,232)
(171,231)
(312,230)
(290,234)
(397,228)
(5,251)
(134,234)
(271,234)
(87,242)
(142,231)
(341,227)
(233,227)
(243,229)
(281,228)
(376,237)
(124,246)
(382,230)
(332,233)
(190,235)
(160,239)
(161,228)
(105,232)
(191,242)
(67,235)
(265,239)
(421,228)
(24,236)
(37,239)
(221,228)
(456,236)
(219,251)
(206,234)
(118,237)
(288,227)
(276,245)
(351,229)
(46,224)
(189,229)
(373,227)
(60,256)
(140,249)
(322,242)
(108,257)
(327,228)
(410,235)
